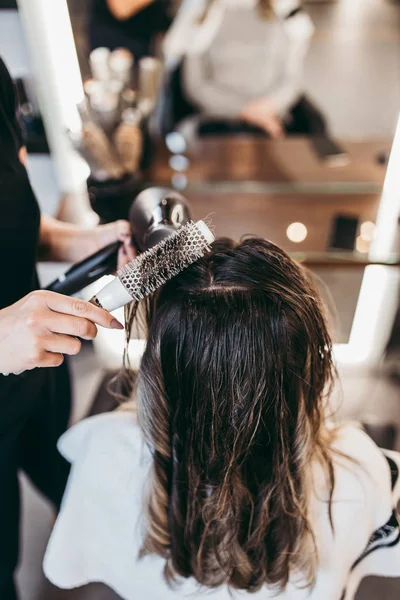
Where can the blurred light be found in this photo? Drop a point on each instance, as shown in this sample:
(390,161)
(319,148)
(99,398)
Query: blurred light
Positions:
(52,35)
(179,181)
(58,81)
(178,162)
(389,207)
(296,232)
(175,142)
(367,230)
(362,245)
(373,319)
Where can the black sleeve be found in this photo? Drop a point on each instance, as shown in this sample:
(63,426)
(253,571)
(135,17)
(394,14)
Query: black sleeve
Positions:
(9,123)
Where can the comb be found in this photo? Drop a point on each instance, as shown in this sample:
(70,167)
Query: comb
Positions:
(156,266)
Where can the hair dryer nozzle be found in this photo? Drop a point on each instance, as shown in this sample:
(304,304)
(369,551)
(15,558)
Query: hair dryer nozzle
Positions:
(155,214)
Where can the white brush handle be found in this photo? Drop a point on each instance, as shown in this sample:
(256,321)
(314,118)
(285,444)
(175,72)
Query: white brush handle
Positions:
(112,296)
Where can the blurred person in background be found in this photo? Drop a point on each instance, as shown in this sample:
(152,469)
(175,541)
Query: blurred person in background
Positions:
(132,24)
(242,64)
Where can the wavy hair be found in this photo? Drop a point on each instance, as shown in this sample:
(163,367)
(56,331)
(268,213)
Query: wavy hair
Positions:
(230,399)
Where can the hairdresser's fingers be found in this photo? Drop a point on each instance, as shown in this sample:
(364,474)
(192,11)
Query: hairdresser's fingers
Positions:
(123,229)
(128,248)
(126,253)
(76,307)
(50,359)
(70,325)
(59,343)
(112,232)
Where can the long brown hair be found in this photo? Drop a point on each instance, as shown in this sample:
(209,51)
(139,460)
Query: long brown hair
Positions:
(231,395)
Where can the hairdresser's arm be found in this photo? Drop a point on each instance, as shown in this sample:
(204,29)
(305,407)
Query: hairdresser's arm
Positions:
(124,9)
(40,328)
(23,155)
(69,243)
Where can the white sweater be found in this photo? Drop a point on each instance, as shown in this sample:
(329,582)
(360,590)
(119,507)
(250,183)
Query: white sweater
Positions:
(235,56)
(99,531)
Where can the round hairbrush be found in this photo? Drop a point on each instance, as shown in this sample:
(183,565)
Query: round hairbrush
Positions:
(156,266)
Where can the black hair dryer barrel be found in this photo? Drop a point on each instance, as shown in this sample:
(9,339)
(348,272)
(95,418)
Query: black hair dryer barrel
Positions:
(154,215)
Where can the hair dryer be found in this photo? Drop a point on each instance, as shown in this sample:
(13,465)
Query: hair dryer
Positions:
(154,215)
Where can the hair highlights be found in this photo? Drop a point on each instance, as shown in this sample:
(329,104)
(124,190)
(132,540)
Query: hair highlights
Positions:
(231,400)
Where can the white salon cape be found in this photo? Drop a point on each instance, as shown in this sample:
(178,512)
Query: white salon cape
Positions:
(99,530)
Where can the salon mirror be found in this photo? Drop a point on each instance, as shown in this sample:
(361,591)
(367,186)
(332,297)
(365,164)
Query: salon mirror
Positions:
(317,193)
(347,97)
(311,192)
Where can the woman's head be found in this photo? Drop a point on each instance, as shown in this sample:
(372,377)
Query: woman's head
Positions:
(230,396)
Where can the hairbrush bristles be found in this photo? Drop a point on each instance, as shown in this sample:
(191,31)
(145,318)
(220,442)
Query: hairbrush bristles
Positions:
(156,266)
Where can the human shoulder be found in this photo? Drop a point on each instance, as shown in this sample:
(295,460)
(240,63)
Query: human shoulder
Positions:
(352,440)
(114,431)
(363,472)
(359,467)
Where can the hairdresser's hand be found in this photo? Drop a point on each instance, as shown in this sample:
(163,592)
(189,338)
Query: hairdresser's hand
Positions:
(40,328)
(261,113)
(119,230)
(70,243)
